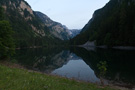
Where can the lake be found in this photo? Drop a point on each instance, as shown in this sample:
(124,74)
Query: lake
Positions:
(101,66)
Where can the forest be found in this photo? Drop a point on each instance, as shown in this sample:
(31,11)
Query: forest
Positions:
(16,32)
(112,25)
(7,45)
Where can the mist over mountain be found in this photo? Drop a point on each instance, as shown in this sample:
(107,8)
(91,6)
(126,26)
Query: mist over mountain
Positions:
(74,32)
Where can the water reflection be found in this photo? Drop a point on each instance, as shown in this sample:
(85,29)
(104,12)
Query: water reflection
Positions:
(120,64)
(42,59)
(77,69)
(81,64)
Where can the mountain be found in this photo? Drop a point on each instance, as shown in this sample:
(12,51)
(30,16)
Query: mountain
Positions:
(56,29)
(112,25)
(29,29)
(74,32)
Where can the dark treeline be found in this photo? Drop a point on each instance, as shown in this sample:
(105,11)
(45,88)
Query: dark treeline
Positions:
(113,25)
(7,45)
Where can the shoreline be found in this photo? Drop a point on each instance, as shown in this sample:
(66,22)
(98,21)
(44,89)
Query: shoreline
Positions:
(92,45)
(124,47)
(14,79)
(105,47)
(17,66)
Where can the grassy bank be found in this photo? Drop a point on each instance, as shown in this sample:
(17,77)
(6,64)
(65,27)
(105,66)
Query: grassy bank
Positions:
(20,79)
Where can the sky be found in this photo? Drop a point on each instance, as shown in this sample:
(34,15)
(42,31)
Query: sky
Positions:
(75,14)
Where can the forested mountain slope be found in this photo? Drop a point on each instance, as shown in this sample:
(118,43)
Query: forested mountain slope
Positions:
(7,45)
(28,29)
(112,25)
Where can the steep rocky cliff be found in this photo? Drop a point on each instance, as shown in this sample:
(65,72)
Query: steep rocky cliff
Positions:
(29,29)
(19,9)
(56,29)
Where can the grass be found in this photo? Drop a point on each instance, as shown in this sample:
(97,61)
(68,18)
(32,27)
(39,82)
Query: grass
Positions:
(20,79)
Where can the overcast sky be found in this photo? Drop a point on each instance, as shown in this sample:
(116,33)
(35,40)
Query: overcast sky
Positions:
(72,13)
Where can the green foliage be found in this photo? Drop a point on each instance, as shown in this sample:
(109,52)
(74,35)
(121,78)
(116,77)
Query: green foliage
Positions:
(18,79)
(6,2)
(24,35)
(107,39)
(102,66)
(113,25)
(1,13)
(6,40)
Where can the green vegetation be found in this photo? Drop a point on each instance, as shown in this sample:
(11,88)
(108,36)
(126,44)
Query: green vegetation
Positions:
(21,31)
(6,39)
(19,79)
(27,27)
(106,63)
(102,66)
(113,25)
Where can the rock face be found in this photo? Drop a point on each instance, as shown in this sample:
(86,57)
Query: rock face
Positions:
(57,29)
(23,8)
(30,30)
(91,44)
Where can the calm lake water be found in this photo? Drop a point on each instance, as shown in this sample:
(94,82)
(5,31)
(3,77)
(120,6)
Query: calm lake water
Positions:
(94,65)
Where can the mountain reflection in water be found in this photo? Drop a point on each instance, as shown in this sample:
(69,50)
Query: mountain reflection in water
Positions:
(77,69)
(81,64)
